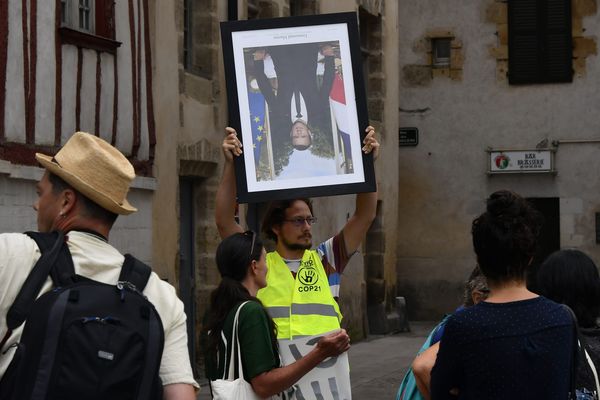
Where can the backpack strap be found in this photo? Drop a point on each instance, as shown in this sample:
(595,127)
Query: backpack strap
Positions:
(51,246)
(136,272)
(63,270)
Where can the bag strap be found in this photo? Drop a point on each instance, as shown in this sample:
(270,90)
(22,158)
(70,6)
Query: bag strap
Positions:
(19,311)
(577,352)
(235,339)
(593,368)
(136,272)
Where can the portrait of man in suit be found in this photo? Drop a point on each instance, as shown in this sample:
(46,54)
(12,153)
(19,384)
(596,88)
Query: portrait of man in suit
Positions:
(298,98)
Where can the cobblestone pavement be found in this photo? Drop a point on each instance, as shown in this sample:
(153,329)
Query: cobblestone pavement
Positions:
(378,364)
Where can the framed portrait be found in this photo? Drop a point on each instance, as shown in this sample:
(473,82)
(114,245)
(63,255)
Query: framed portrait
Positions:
(297,100)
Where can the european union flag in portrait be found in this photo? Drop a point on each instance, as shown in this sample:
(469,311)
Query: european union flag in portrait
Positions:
(257,121)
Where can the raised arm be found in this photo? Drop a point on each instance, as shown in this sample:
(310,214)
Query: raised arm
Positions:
(261,79)
(329,71)
(226,193)
(279,379)
(357,226)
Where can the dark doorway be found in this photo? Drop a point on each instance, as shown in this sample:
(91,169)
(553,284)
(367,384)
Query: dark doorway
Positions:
(549,239)
(187,265)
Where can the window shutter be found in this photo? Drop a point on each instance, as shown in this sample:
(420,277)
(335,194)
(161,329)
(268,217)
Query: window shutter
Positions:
(523,51)
(540,43)
(558,57)
(105,18)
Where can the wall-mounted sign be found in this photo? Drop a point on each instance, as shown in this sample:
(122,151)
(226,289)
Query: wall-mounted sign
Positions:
(521,161)
(408,137)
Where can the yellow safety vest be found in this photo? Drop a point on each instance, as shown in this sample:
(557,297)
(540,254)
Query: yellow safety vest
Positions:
(303,306)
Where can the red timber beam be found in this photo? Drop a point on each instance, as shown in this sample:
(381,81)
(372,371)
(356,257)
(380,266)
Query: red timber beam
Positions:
(113,139)
(134,81)
(32,72)
(28,136)
(78,89)
(136,144)
(149,92)
(58,80)
(98,93)
(3,63)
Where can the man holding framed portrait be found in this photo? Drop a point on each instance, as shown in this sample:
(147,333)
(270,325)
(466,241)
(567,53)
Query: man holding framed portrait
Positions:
(296,97)
(302,284)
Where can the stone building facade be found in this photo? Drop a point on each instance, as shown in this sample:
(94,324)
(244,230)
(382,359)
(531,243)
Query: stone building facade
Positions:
(485,97)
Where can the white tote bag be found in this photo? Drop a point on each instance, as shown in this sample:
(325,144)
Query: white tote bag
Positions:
(228,388)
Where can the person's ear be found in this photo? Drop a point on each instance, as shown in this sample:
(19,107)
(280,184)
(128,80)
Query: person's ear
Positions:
(477,296)
(254,267)
(69,201)
(276,229)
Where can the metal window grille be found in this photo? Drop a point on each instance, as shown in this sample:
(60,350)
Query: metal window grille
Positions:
(441,52)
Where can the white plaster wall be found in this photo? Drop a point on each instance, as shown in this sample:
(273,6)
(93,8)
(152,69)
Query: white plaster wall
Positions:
(87,116)
(69,91)
(45,99)
(17,195)
(14,117)
(130,234)
(133,233)
(107,96)
(443,181)
(125,110)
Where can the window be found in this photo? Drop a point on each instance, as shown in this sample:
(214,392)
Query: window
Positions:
(89,24)
(540,47)
(95,17)
(303,7)
(199,21)
(63,12)
(440,49)
(187,43)
(253,9)
(85,16)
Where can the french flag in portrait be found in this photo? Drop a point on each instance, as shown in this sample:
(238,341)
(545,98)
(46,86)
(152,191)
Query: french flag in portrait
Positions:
(257,120)
(337,100)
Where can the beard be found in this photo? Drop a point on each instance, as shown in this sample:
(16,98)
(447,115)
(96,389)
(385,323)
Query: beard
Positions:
(297,246)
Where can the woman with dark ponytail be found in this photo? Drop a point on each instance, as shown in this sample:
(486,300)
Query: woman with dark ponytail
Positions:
(571,277)
(515,344)
(241,260)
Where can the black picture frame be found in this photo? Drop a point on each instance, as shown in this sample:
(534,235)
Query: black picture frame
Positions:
(307,141)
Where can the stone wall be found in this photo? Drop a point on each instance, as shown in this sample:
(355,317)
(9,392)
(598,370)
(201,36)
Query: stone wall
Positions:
(443,181)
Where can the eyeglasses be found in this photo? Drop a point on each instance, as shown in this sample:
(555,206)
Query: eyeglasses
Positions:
(253,240)
(299,221)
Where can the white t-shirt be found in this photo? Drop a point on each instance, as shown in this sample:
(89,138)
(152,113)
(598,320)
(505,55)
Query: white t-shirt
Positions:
(98,260)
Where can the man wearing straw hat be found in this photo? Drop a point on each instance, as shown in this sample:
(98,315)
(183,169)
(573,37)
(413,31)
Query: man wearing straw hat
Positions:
(82,192)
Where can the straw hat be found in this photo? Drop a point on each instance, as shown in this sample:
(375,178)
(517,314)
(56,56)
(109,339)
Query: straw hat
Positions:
(95,169)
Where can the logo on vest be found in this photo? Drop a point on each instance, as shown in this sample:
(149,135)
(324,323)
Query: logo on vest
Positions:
(308,276)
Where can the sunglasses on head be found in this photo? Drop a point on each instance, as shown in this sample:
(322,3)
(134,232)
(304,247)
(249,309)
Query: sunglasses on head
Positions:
(253,234)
